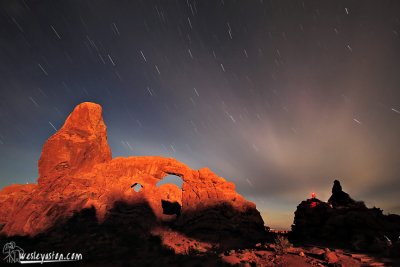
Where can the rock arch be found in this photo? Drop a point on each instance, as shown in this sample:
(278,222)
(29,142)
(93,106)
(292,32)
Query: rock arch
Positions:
(76,172)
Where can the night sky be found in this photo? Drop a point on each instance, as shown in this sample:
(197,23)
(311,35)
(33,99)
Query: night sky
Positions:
(279,97)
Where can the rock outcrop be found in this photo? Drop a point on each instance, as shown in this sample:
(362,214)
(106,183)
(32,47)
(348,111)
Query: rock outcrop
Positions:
(77,146)
(343,221)
(76,172)
(340,198)
(309,216)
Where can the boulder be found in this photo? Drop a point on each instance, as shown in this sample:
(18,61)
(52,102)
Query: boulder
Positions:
(330,257)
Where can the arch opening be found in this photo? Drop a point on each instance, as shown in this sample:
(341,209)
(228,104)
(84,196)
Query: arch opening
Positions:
(171,179)
(170,188)
(137,187)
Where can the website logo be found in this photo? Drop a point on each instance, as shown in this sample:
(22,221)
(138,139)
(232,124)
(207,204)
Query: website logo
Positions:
(12,252)
(15,254)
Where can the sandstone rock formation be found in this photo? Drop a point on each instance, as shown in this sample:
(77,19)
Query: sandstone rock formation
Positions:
(77,146)
(76,172)
(345,222)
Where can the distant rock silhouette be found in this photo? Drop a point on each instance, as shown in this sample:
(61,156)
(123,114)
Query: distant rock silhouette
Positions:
(339,198)
(343,221)
(77,172)
(309,217)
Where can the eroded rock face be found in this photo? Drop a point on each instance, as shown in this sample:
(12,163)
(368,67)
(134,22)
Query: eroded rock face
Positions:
(76,172)
(77,146)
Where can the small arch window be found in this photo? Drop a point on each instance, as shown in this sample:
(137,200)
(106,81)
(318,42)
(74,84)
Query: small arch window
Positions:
(137,187)
(171,179)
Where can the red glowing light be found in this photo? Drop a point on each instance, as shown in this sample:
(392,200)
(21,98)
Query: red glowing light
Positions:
(313,195)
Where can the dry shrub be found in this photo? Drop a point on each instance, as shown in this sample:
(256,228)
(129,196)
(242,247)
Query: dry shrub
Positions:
(282,244)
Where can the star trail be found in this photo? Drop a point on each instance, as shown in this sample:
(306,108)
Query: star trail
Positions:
(279,97)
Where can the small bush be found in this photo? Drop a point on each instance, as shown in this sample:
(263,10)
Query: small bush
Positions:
(282,244)
(193,251)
